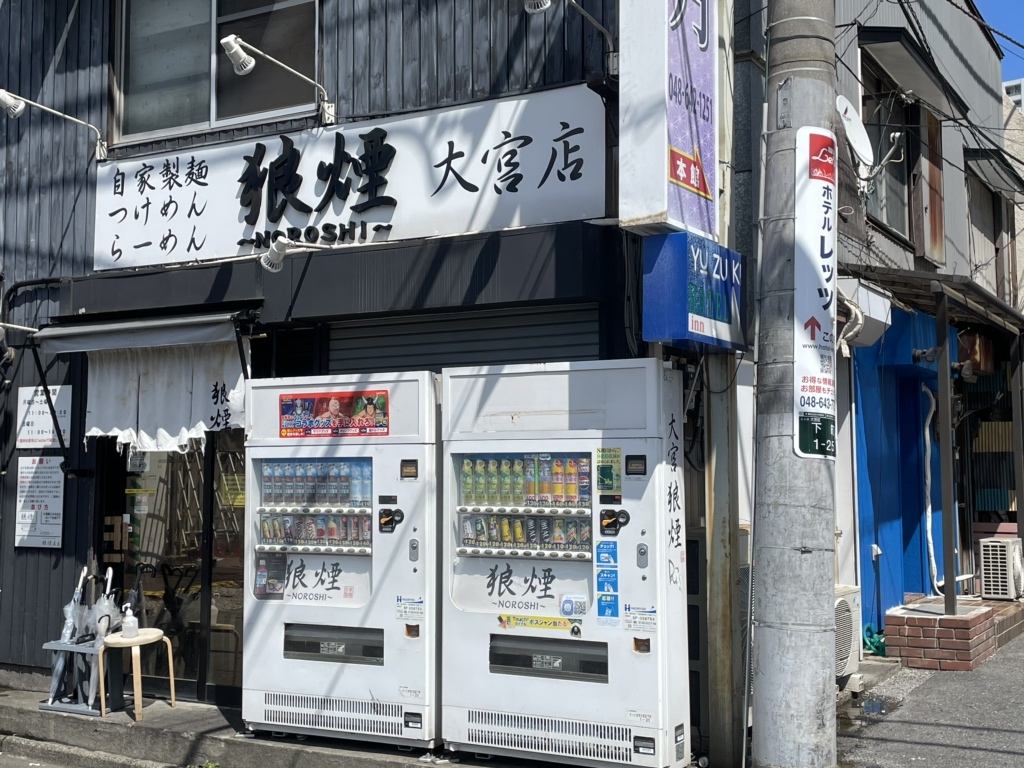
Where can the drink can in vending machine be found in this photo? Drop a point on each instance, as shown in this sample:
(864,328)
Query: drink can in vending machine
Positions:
(321,529)
(529,479)
(558,534)
(468,495)
(265,531)
(531,531)
(518,536)
(505,481)
(572,482)
(518,483)
(468,534)
(310,535)
(353,529)
(342,530)
(572,538)
(275,527)
(584,534)
(493,497)
(480,529)
(366,528)
(544,480)
(333,537)
(558,481)
(506,530)
(480,481)
(544,527)
(584,479)
(493,531)
(288,529)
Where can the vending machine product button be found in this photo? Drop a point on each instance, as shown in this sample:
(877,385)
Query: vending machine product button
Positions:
(514,510)
(463,509)
(488,551)
(462,550)
(316,549)
(305,549)
(261,510)
(261,548)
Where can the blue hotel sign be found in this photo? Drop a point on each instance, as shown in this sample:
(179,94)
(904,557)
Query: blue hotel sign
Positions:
(694,290)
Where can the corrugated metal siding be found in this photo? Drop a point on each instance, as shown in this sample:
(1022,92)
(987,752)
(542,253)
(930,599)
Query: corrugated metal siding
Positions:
(54,53)
(430,342)
(991,458)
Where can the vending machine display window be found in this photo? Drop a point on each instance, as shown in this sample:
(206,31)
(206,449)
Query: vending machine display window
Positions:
(533,505)
(316,505)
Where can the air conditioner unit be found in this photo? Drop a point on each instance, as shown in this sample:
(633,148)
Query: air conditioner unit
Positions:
(1002,569)
(848,629)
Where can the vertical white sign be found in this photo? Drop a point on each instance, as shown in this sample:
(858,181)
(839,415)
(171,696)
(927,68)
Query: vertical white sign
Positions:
(40,506)
(814,295)
(35,422)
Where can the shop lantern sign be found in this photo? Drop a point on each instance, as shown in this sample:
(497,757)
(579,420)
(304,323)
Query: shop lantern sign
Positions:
(514,162)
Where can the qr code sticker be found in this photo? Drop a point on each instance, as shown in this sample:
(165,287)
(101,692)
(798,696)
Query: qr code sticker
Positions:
(826,364)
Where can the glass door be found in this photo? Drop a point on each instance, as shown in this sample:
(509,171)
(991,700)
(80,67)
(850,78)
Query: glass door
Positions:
(185,513)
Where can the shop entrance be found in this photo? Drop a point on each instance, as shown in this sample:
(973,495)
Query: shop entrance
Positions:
(183,544)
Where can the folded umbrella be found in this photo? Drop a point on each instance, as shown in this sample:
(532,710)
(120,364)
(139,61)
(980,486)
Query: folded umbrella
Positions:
(102,618)
(60,658)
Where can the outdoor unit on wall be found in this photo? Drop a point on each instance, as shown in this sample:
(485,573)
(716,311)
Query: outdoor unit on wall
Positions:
(848,628)
(1002,569)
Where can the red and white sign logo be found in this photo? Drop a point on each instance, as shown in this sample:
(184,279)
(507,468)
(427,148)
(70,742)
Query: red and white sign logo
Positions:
(822,158)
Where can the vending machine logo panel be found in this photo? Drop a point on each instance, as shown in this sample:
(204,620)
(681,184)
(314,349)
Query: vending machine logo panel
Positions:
(335,414)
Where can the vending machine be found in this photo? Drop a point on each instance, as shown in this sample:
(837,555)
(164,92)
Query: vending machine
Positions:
(564,563)
(341,568)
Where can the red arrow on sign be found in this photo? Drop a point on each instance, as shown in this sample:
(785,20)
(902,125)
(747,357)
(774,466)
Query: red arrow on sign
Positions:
(813,326)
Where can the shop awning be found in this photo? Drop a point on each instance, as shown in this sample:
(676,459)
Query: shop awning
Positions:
(157,384)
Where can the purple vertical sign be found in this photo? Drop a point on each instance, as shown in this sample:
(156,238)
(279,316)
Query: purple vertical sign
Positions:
(692,115)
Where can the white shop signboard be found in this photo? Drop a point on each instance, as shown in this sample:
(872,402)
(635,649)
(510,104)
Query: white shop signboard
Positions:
(35,422)
(515,162)
(39,518)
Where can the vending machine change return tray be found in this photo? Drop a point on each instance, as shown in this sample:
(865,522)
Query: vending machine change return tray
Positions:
(579,660)
(340,645)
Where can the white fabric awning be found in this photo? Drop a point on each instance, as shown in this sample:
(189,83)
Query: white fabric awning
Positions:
(155,385)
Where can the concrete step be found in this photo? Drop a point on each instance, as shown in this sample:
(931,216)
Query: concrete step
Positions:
(65,754)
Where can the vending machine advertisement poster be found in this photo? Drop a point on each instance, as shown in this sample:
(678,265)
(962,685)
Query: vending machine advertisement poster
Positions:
(334,414)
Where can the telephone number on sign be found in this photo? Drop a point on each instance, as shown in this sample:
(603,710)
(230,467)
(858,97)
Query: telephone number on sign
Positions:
(824,403)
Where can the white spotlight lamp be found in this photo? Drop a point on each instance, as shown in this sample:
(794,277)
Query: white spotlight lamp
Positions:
(273,260)
(243,63)
(14,106)
(611,57)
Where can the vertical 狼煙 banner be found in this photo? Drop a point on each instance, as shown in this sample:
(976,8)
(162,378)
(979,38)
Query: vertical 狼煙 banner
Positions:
(814,294)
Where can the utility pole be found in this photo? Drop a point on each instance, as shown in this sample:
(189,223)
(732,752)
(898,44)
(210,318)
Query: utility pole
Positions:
(794,701)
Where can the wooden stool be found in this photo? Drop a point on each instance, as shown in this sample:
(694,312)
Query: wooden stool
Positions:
(145,637)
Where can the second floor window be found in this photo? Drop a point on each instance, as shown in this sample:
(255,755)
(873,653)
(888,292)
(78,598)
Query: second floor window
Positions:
(175,78)
(884,115)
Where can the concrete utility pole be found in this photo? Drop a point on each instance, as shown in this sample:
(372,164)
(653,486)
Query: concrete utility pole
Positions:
(794,702)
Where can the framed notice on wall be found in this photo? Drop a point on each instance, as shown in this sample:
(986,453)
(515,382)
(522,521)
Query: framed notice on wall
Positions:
(40,504)
(35,422)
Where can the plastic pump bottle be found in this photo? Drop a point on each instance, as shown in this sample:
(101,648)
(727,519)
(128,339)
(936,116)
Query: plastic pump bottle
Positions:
(130,625)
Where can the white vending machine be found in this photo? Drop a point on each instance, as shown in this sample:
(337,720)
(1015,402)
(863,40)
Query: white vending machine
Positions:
(564,563)
(341,572)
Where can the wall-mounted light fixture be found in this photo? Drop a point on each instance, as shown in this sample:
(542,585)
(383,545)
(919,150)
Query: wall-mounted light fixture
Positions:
(243,63)
(14,105)
(611,57)
(273,260)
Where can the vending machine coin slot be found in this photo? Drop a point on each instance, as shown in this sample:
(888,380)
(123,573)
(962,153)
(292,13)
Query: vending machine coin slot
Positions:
(609,522)
(387,519)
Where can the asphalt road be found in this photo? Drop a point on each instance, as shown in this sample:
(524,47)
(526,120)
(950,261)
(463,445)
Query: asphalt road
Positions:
(941,719)
(9,761)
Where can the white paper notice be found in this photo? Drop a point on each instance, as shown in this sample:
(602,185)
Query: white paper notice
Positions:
(35,423)
(40,509)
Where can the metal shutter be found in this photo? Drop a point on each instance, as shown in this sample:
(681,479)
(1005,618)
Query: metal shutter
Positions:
(490,337)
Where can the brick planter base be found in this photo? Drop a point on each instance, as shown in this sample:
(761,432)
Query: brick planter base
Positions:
(926,639)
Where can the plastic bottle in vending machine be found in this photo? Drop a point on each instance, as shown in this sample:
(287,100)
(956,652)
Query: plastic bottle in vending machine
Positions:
(367,484)
(505,480)
(558,481)
(480,481)
(572,482)
(584,471)
(518,483)
(267,488)
(493,497)
(344,482)
(332,485)
(321,483)
(529,479)
(289,485)
(261,579)
(278,484)
(466,477)
(544,479)
(310,484)
(355,485)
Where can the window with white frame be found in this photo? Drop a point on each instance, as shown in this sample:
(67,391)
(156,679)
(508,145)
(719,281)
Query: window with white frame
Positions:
(175,77)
